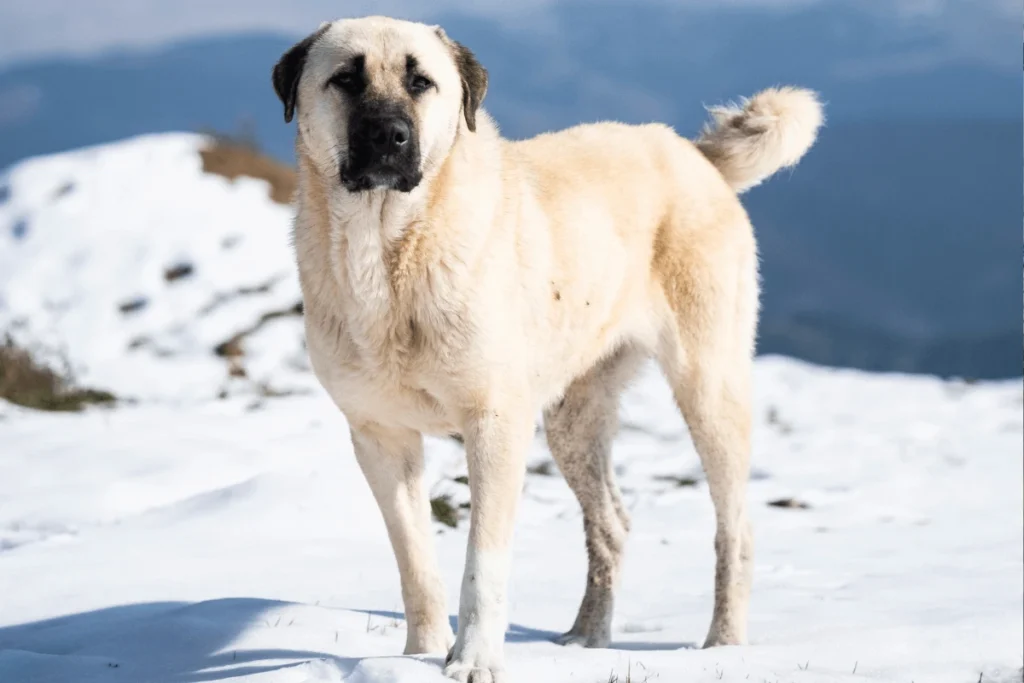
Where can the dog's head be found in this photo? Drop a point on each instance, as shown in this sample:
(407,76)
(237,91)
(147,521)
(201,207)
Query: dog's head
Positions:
(379,101)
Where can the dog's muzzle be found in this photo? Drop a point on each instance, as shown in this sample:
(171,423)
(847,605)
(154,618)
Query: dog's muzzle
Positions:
(382,153)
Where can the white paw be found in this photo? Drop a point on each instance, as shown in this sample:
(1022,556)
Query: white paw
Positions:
(467,667)
(472,674)
(724,638)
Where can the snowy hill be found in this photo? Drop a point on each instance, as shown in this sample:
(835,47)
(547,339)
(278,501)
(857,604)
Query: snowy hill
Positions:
(124,254)
(213,524)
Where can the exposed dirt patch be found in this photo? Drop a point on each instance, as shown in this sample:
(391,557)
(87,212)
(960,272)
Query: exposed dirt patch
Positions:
(790,503)
(677,480)
(250,290)
(444,512)
(233,348)
(133,305)
(544,468)
(232,159)
(178,271)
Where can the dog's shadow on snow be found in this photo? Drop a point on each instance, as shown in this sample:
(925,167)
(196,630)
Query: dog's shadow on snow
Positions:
(518,633)
(182,642)
(157,641)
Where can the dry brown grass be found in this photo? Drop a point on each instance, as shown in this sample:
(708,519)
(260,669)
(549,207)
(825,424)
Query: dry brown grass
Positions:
(26,382)
(230,158)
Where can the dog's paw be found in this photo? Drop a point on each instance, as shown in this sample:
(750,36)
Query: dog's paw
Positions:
(724,639)
(592,640)
(467,667)
(471,674)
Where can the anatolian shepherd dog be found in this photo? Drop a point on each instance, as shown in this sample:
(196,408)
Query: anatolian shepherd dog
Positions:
(456,283)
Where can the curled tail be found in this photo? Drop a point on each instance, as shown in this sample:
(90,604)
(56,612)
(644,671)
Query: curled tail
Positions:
(770,131)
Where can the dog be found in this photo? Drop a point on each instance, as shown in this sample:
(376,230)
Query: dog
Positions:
(456,283)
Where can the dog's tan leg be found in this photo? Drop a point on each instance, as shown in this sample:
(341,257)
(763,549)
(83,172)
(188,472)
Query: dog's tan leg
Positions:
(580,429)
(710,282)
(708,359)
(497,438)
(717,411)
(392,461)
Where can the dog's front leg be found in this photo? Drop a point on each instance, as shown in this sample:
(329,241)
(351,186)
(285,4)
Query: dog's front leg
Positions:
(496,442)
(392,460)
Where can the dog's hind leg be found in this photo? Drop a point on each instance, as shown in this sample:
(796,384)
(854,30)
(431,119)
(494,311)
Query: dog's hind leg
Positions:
(392,461)
(580,429)
(717,410)
(707,356)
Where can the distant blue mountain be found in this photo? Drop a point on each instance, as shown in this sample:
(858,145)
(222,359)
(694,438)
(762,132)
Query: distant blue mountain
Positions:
(217,83)
(894,246)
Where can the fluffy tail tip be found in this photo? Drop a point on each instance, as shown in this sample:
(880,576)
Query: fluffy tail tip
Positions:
(771,130)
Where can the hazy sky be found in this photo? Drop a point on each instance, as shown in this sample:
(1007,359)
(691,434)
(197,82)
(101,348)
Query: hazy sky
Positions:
(34,28)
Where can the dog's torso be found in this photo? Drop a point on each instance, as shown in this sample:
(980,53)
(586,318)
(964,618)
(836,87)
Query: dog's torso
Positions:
(527,260)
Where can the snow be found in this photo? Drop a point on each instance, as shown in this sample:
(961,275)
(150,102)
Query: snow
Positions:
(101,227)
(209,529)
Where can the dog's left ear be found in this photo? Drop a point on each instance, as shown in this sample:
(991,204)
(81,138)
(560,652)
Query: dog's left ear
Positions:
(473,75)
(288,71)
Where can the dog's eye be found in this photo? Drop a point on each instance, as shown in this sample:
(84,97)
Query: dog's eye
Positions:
(346,81)
(419,84)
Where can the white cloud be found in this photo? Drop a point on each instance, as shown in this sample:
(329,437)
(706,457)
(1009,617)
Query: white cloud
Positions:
(36,28)
(46,27)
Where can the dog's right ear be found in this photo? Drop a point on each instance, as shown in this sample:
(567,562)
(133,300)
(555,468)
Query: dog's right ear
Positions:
(288,71)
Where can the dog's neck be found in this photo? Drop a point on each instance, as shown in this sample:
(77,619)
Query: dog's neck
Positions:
(379,245)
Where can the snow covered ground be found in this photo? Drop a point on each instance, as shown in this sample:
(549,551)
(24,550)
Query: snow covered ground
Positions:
(213,525)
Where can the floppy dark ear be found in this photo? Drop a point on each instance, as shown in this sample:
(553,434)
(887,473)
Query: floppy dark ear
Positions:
(288,70)
(474,82)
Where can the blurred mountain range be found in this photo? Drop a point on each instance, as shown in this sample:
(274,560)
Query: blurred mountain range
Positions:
(894,246)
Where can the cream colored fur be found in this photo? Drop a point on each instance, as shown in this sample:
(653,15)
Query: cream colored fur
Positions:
(526,276)
(769,131)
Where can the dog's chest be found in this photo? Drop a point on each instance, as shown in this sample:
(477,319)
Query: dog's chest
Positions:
(383,339)
(384,377)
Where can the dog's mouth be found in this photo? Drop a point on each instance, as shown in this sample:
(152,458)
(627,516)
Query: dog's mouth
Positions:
(384,174)
(380,176)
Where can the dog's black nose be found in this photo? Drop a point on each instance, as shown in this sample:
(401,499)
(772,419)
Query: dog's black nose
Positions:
(388,135)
